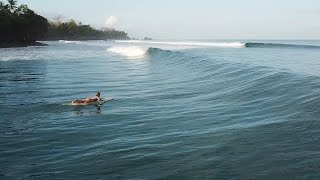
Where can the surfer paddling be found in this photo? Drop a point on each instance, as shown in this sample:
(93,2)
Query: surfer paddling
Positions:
(88,100)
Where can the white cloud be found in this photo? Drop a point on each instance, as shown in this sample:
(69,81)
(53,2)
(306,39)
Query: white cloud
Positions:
(111,21)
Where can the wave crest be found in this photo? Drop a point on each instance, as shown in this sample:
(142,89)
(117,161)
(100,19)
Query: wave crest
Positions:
(129,51)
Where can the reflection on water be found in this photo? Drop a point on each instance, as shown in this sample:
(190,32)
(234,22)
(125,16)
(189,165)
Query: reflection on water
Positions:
(80,110)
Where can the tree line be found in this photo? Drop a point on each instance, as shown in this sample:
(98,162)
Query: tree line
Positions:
(72,30)
(21,24)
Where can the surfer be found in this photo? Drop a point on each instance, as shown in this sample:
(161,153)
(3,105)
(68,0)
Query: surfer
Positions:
(88,100)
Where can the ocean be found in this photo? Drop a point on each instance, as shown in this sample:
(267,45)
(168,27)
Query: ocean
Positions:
(205,109)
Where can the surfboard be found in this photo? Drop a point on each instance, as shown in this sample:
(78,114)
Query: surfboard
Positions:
(97,103)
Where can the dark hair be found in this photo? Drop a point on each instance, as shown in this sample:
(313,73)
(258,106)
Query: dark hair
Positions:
(98,94)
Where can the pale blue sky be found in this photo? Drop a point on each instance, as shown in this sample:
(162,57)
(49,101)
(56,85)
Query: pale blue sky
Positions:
(196,19)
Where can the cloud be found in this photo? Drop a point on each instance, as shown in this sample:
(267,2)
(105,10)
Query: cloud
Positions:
(111,21)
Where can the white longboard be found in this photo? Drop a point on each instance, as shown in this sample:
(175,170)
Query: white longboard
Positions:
(97,103)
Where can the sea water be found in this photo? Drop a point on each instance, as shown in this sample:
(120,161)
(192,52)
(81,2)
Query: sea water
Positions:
(181,110)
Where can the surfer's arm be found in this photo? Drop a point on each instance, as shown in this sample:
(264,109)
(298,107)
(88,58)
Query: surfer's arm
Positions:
(94,99)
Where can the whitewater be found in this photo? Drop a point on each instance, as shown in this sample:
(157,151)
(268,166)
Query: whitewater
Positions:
(181,109)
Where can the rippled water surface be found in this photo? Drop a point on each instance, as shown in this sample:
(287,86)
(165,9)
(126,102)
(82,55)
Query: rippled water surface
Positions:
(181,110)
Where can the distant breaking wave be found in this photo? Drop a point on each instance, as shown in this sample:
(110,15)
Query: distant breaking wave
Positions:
(275,45)
(182,43)
(139,47)
(221,44)
(138,51)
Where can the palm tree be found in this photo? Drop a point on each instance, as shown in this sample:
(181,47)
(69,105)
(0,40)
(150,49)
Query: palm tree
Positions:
(12,4)
(4,7)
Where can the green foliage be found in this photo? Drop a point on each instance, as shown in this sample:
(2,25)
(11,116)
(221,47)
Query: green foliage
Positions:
(20,24)
(22,9)
(71,30)
(4,8)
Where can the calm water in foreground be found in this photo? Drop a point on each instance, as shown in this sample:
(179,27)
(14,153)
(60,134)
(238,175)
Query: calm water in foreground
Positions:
(181,110)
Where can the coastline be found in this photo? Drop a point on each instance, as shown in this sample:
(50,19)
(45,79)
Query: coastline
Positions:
(20,44)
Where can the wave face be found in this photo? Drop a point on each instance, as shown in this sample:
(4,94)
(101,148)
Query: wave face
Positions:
(177,113)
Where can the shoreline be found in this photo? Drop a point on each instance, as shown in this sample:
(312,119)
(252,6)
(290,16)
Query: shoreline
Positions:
(20,44)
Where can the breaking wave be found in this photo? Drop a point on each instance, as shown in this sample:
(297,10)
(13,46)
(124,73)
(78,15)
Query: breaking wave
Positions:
(129,51)
(185,43)
(220,44)
(276,45)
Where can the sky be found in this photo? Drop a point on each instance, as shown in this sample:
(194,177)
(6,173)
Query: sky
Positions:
(193,19)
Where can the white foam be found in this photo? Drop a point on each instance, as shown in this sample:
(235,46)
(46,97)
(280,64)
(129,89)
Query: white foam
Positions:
(129,51)
(187,43)
(65,41)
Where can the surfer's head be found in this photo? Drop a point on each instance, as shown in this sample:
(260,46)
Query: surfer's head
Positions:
(98,94)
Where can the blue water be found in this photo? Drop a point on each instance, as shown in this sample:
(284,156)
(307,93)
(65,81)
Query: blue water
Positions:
(181,110)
